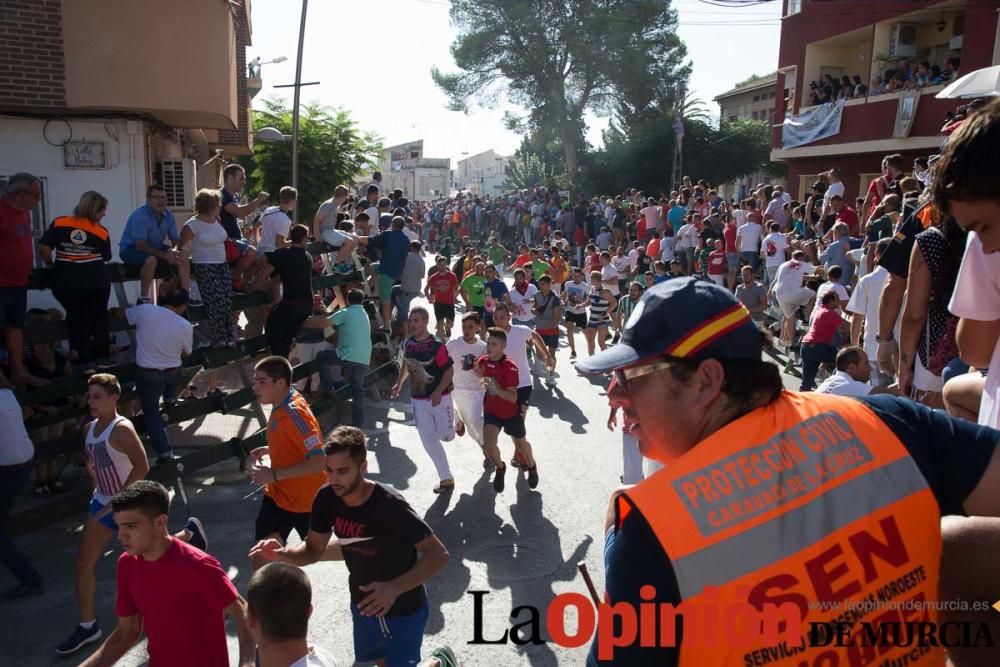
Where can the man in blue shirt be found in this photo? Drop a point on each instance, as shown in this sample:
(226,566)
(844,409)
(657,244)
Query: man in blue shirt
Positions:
(675,216)
(150,239)
(353,353)
(394,246)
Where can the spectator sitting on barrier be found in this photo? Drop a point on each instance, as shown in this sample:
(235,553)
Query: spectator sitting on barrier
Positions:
(205,239)
(45,362)
(77,247)
(275,222)
(353,352)
(249,270)
(163,337)
(150,240)
(292,292)
(325,219)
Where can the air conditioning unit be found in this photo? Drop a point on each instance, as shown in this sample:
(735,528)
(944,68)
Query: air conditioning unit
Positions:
(179,179)
(903,41)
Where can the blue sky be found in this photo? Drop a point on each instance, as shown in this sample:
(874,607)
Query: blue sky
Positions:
(382,74)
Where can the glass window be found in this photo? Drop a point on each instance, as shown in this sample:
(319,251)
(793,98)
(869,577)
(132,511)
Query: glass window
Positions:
(793,7)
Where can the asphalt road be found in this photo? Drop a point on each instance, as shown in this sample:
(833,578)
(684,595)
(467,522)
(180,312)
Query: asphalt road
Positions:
(521,547)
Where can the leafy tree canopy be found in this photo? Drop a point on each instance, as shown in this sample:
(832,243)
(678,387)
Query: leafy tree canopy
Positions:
(332,151)
(558,58)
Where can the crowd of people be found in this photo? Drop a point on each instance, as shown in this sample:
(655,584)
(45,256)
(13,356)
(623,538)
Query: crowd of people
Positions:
(903,76)
(897,294)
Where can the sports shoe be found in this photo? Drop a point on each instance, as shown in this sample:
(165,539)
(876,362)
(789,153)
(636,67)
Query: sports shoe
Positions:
(498,482)
(533,476)
(198,539)
(81,637)
(550,379)
(144,299)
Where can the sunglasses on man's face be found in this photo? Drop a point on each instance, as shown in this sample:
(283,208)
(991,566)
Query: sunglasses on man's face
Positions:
(623,375)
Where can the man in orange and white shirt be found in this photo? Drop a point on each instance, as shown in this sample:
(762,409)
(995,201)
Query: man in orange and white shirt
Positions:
(294,472)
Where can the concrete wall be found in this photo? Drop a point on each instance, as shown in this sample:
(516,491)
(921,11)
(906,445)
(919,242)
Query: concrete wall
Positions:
(175,60)
(24,148)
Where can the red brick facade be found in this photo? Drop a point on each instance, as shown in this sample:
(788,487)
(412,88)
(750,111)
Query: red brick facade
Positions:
(31,55)
(239,136)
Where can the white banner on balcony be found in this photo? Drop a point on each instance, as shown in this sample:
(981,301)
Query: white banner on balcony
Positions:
(812,125)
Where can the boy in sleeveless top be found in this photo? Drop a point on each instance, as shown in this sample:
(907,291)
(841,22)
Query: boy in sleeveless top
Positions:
(115,459)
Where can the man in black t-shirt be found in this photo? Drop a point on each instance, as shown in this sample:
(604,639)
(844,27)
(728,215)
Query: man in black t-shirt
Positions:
(378,536)
(292,292)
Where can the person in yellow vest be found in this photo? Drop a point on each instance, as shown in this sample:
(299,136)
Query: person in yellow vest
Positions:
(769,496)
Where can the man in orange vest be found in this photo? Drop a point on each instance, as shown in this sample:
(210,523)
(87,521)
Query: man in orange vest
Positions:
(805,503)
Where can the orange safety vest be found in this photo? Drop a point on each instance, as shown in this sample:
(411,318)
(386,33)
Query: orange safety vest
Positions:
(73,247)
(811,500)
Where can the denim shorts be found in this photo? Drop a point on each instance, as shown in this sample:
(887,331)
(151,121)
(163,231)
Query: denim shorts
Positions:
(395,639)
(134,257)
(108,520)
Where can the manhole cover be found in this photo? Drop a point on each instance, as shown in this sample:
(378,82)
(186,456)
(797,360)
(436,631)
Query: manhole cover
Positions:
(513,561)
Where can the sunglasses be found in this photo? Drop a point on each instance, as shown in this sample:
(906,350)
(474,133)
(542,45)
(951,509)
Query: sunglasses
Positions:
(623,375)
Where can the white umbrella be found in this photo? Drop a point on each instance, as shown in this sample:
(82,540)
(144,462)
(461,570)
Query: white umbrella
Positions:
(981,83)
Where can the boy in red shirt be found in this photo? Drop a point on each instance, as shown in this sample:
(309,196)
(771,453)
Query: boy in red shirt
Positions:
(817,344)
(174,592)
(717,263)
(442,290)
(500,409)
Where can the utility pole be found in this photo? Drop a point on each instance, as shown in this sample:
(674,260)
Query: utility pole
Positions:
(295,100)
(677,173)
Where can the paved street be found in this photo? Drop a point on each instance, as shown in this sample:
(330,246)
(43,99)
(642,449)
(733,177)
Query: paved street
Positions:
(522,546)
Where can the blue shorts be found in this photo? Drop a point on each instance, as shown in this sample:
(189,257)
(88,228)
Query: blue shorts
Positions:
(395,639)
(13,307)
(108,520)
(134,257)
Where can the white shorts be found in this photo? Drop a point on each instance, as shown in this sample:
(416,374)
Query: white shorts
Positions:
(718,280)
(469,408)
(791,299)
(923,379)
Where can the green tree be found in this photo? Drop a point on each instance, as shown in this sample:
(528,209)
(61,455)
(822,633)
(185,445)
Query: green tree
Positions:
(558,58)
(644,158)
(332,150)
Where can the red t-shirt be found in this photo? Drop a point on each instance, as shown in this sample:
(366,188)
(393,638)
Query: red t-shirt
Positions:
(443,287)
(505,373)
(521,260)
(18,246)
(849,217)
(593,263)
(640,228)
(579,236)
(716,263)
(823,326)
(653,249)
(729,236)
(181,598)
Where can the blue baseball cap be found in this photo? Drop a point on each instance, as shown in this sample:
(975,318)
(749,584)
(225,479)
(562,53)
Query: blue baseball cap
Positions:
(682,317)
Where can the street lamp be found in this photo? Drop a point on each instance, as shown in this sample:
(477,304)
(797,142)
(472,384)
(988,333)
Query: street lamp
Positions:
(271,135)
(255,65)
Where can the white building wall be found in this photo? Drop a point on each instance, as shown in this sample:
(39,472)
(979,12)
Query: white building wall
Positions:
(23,147)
